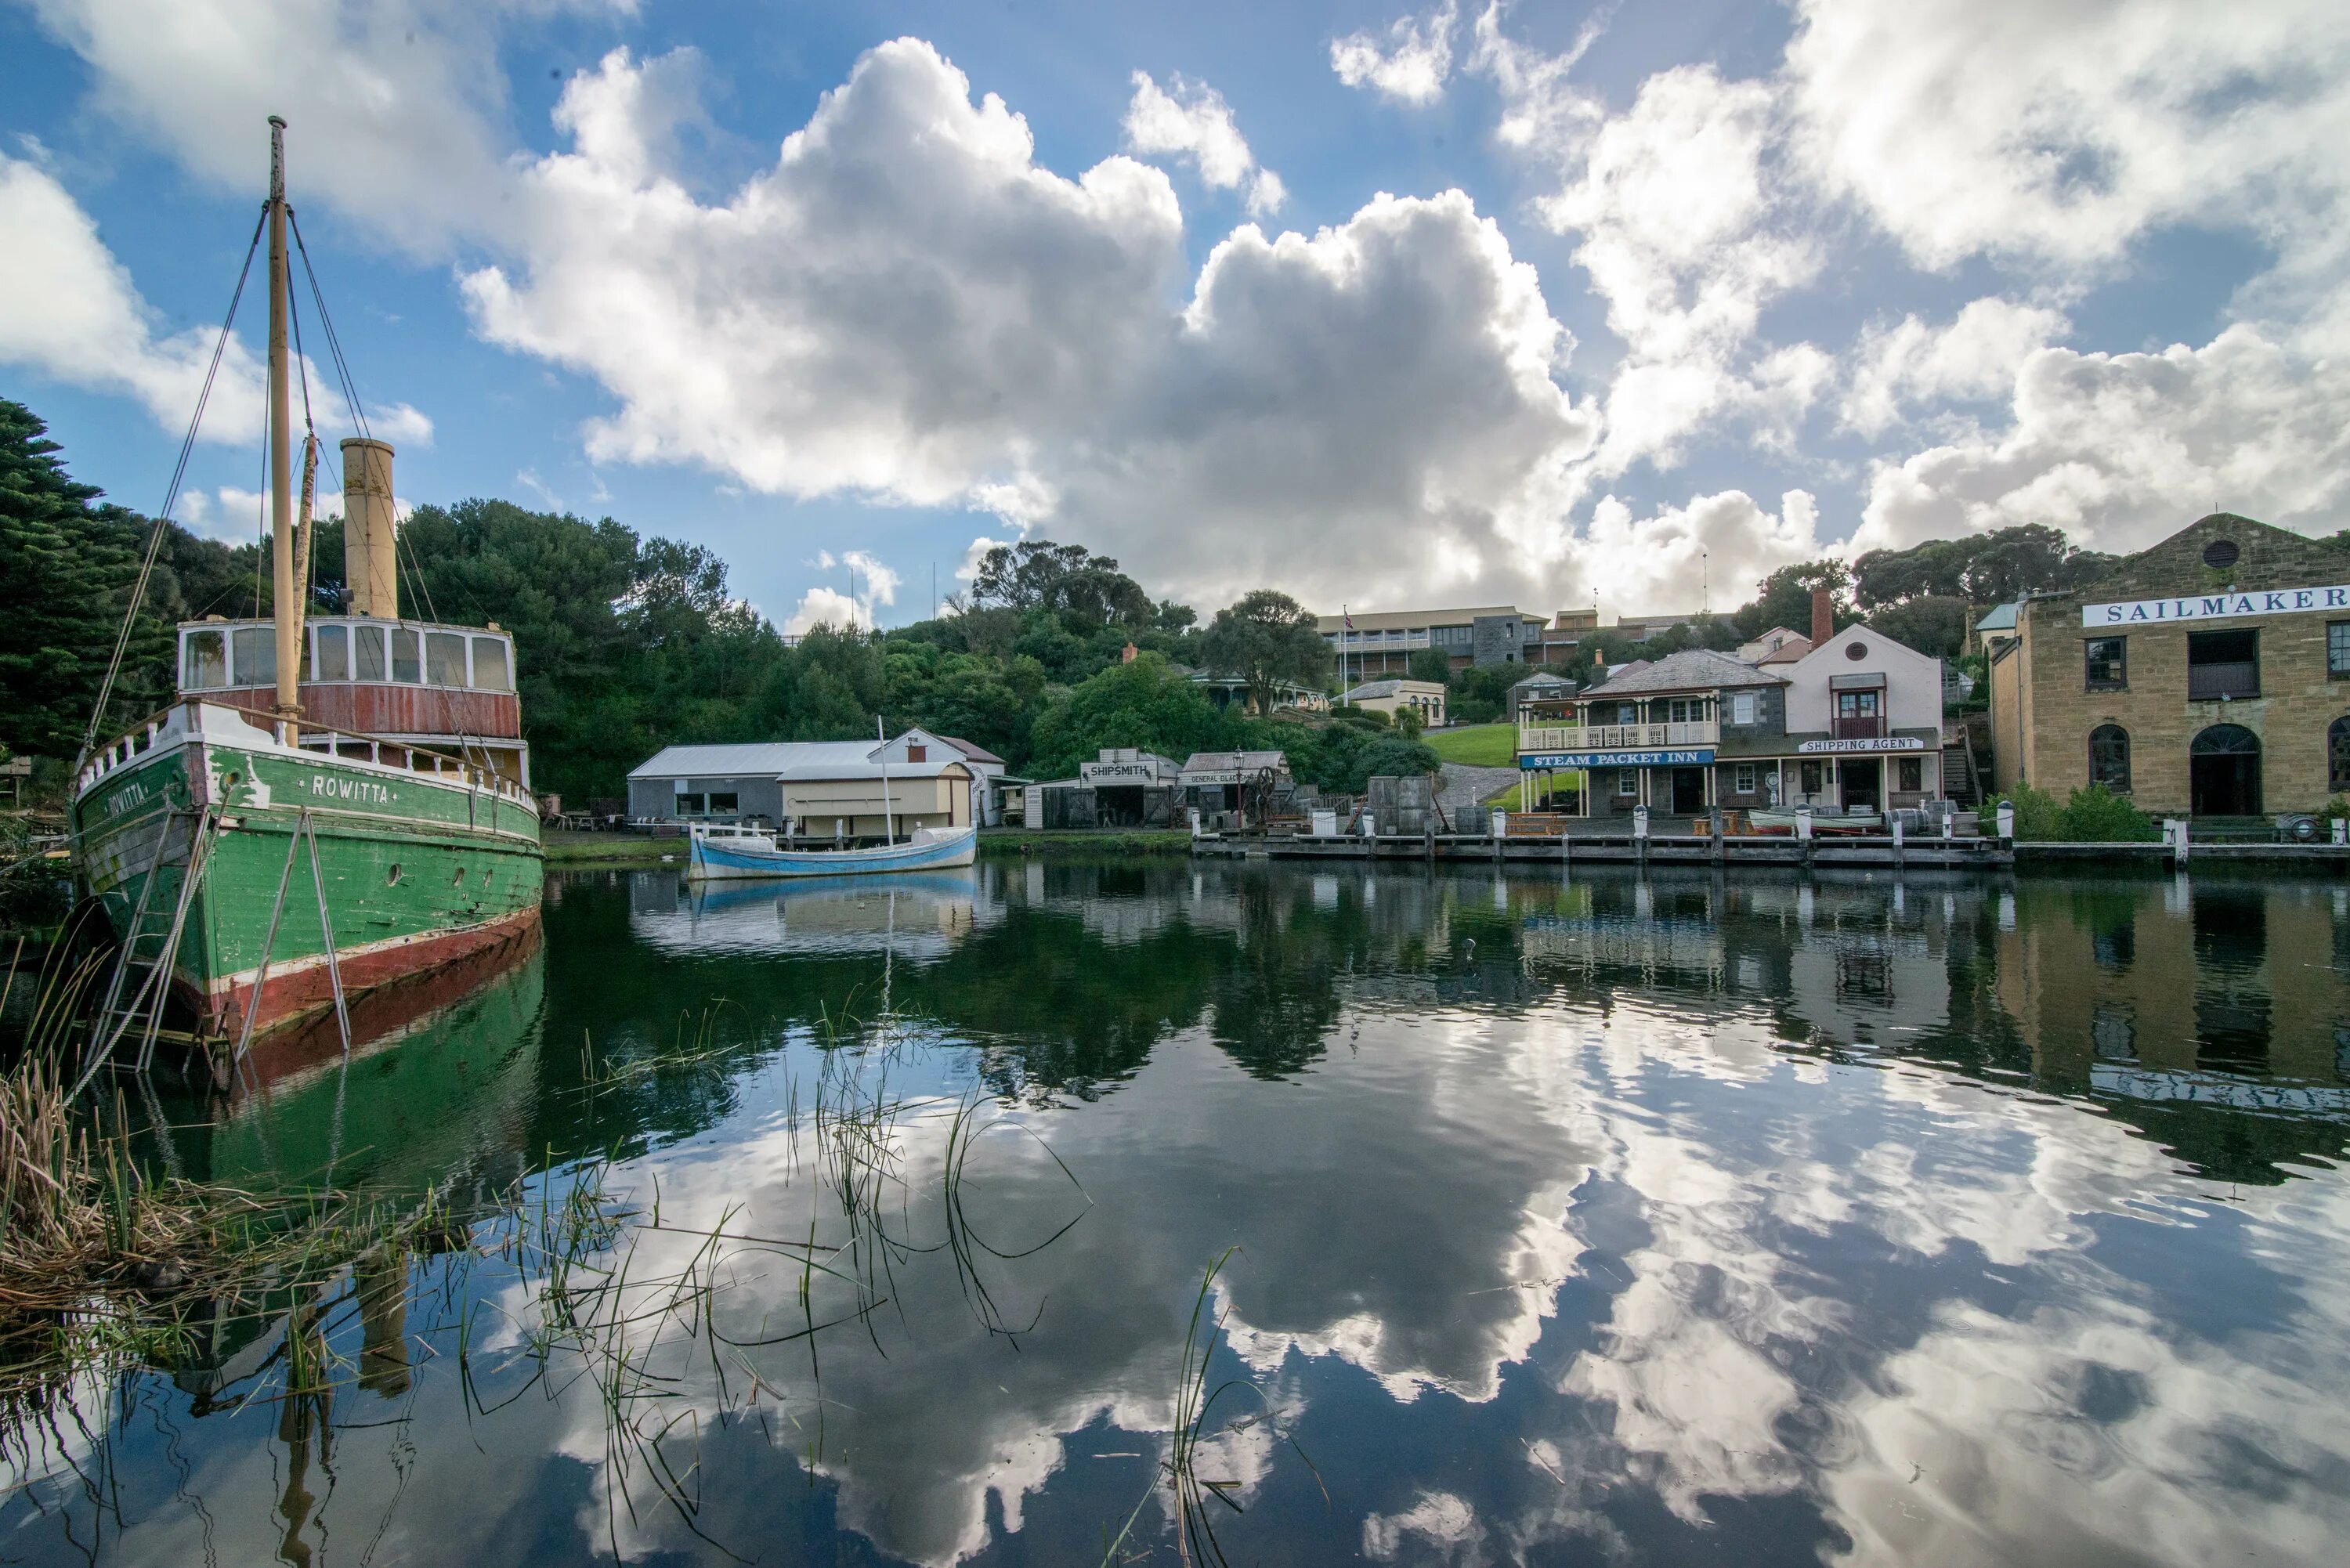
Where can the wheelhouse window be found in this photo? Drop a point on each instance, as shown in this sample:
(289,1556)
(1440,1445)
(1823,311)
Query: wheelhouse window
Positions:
(2108,663)
(334,653)
(492,672)
(2222,664)
(367,653)
(445,658)
(2109,758)
(406,663)
(2337,648)
(253,650)
(203,662)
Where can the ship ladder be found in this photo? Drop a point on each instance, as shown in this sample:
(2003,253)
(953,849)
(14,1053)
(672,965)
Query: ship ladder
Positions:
(143,967)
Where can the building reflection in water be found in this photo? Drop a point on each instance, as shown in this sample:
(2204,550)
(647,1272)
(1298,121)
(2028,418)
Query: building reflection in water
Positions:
(1857,1218)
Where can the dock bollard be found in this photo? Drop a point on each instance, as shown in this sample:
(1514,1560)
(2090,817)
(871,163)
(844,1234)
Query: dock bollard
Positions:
(1640,832)
(2007,822)
(2341,831)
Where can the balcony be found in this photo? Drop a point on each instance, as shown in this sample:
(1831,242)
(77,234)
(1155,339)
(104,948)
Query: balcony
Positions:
(1857,727)
(1616,737)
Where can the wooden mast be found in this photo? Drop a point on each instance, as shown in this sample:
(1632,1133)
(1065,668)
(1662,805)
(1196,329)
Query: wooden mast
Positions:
(286,607)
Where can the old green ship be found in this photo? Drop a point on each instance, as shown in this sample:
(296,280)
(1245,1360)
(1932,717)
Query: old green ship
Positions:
(332,804)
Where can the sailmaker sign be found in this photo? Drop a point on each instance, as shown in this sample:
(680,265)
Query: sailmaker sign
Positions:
(2215,606)
(1697,757)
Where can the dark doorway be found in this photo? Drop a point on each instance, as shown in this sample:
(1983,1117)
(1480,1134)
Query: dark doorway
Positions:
(1689,790)
(2223,766)
(1864,783)
(1120,806)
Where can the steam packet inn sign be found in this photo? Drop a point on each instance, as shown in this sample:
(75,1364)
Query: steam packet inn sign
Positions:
(2215,606)
(1698,757)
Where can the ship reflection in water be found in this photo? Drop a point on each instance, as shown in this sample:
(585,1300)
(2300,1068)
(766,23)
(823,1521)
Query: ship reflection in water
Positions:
(1880,1219)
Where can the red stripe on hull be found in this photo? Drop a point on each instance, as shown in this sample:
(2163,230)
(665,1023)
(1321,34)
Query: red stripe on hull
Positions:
(390,1012)
(288,996)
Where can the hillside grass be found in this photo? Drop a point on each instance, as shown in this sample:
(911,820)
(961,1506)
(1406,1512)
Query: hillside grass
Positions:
(1476,746)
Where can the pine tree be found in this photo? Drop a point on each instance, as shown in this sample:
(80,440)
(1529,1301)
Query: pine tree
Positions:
(66,564)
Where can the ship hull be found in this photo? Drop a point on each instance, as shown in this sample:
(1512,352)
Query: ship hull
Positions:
(417,870)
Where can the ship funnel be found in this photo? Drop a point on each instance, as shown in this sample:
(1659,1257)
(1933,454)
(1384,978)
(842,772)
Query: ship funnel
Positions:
(371,570)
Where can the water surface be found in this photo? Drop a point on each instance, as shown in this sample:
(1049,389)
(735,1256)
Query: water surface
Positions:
(1578,1219)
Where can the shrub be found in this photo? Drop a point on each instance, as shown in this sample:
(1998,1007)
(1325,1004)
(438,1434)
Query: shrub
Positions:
(2097,815)
(2090,815)
(2038,818)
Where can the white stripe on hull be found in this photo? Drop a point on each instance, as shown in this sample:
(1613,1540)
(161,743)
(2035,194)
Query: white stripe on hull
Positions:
(710,862)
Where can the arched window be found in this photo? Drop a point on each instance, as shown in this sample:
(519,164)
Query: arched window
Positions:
(2109,758)
(2337,757)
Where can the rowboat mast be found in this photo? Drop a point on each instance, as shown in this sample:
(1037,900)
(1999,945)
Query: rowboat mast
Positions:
(287,611)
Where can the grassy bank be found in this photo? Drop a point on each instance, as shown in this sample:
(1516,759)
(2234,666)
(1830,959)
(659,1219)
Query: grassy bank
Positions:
(577,851)
(1476,745)
(1014,843)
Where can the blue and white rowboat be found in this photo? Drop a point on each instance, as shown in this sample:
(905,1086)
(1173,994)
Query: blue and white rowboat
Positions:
(720,855)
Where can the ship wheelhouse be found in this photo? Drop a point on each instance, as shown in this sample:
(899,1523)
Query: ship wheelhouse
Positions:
(448,688)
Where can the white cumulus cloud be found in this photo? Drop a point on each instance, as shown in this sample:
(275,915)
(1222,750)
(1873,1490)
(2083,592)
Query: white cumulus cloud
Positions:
(2119,450)
(1191,120)
(1408,63)
(70,312)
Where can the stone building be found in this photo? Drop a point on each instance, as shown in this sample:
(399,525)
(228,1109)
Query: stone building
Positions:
(2207,674)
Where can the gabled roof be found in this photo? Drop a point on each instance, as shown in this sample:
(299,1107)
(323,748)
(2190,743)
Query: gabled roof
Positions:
(793,759)
(1691,669)
(977,753)
(2000,618)
(764,758)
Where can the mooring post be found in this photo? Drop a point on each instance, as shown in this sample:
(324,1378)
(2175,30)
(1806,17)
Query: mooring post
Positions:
(1501,827)
(1640,833)
(1897,839)
(1804,830)
(2007,823)
(1714,829)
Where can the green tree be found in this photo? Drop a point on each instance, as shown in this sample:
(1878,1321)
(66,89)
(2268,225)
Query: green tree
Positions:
(67,566)
(1930,623)
(1146,703)
(1429,664)
(1266,638)
(1784,598)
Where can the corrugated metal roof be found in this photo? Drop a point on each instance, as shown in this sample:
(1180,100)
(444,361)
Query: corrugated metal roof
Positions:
(820,770)
(976,753)
(757,757)
(1691,669)
(2000,618)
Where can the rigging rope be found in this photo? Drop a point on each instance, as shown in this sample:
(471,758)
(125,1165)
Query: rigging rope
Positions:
(171,499)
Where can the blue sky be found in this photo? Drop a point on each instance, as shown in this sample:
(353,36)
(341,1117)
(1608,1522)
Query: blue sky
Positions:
(1655,293)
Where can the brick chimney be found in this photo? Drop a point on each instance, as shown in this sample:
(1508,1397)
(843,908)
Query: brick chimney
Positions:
(1127,654)
(1823,618)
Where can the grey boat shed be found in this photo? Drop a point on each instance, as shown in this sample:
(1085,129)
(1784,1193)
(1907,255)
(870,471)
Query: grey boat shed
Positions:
(824,788)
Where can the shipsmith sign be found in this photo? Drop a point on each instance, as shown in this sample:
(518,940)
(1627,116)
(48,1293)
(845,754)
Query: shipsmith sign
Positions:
(1115,774)
(2215,606)
(1878,744)
(1697,757)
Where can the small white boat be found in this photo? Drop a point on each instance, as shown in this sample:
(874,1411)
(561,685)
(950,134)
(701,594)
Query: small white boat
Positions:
(1822,821)
(729,854)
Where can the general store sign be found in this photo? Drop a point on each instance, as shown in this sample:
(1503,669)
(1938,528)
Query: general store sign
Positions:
(2216,607)
(1696,758)
(1844,748)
